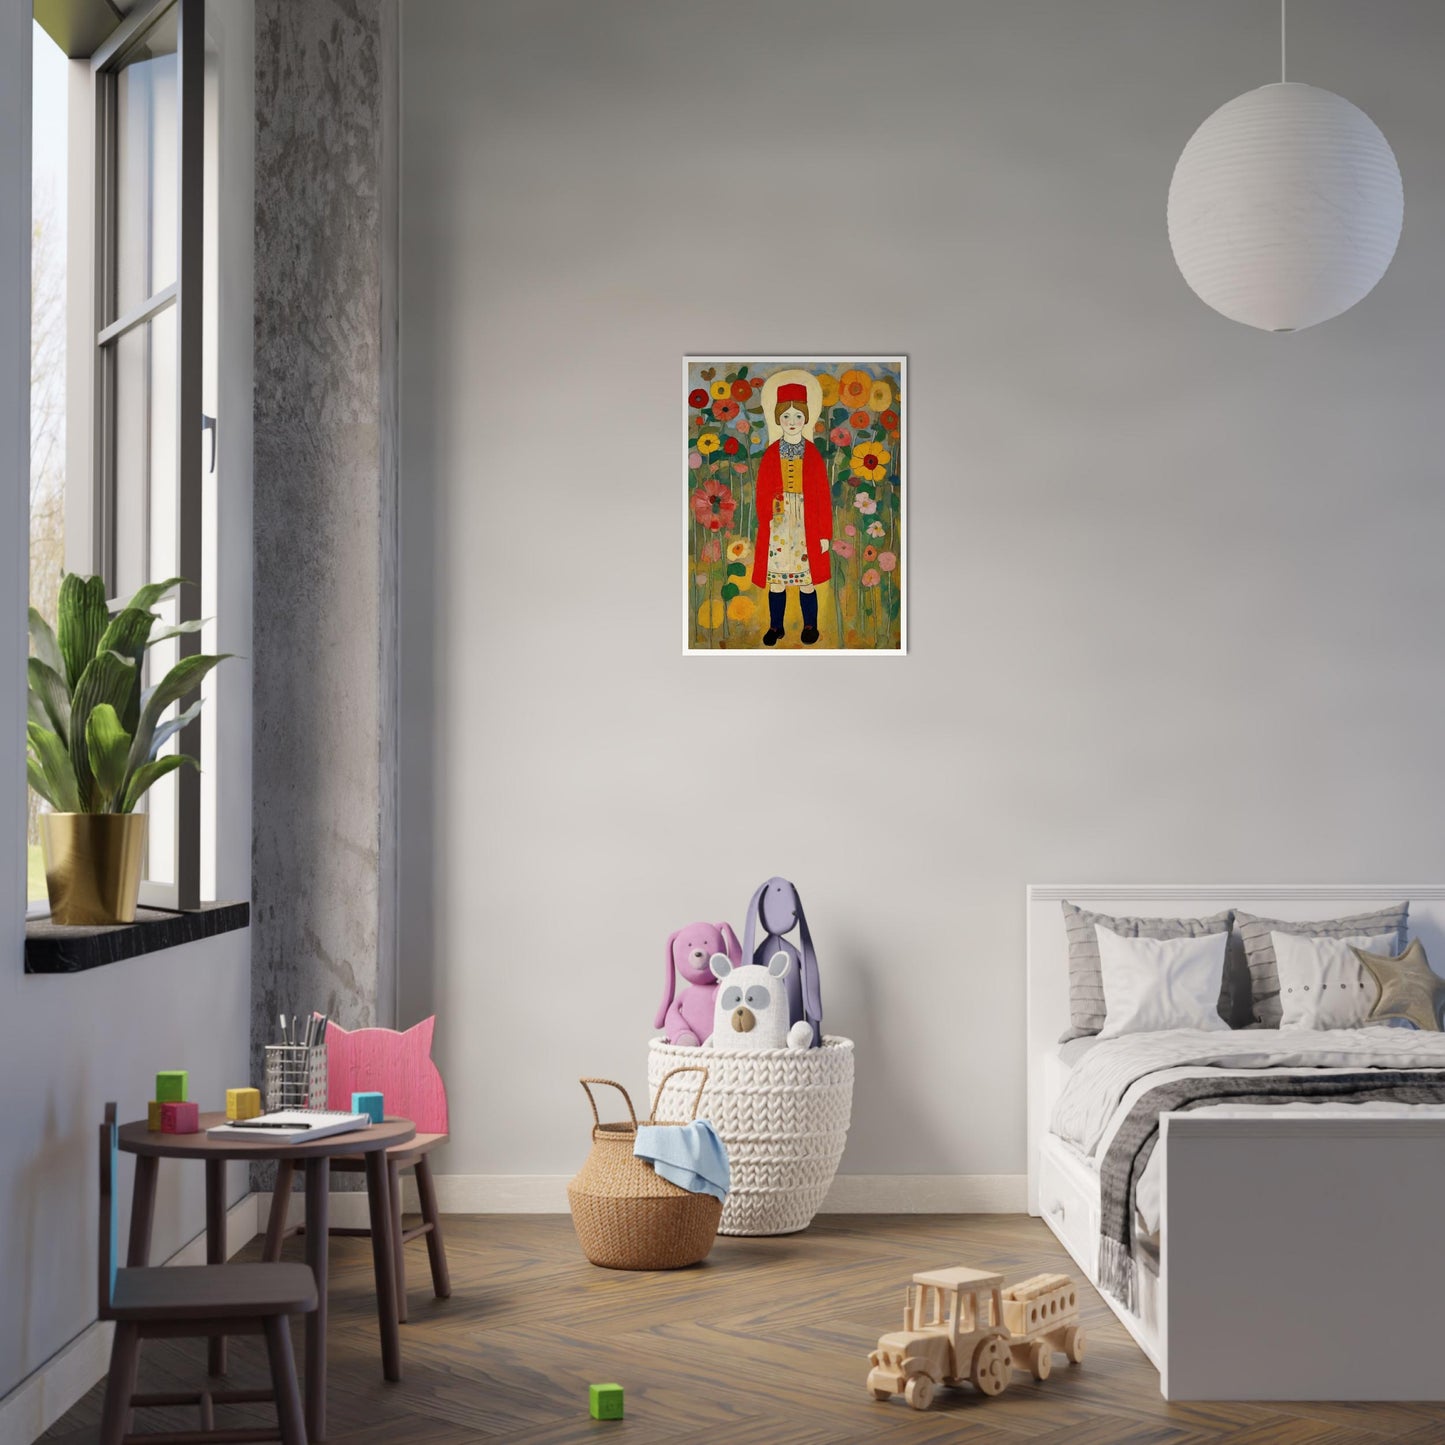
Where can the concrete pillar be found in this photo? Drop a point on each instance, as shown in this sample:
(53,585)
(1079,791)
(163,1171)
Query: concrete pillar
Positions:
(325,769)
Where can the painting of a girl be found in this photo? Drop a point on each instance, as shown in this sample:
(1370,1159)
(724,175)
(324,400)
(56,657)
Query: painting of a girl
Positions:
(795,512)
(796,500)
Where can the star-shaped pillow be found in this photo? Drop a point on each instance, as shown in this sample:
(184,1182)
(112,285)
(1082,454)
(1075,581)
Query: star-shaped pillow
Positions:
(1409,987)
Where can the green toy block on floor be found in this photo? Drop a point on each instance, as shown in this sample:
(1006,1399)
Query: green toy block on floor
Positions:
(172,1086)
(605,1401)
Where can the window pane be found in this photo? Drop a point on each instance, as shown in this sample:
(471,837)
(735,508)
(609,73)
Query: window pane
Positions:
(146,176)
(48,174)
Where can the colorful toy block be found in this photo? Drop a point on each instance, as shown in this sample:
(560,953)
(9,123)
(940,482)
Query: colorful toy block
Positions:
(605,1401)
(153,1116)
(243,1103)
(172,1086)
(180,1117)
(372,1105)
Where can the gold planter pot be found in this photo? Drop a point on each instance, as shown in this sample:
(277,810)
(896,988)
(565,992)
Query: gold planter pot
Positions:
(93,865)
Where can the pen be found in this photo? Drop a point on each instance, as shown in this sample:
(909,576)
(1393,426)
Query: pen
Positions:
(253,1124)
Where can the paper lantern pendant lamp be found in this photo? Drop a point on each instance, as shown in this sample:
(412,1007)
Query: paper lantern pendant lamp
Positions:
(1285,207)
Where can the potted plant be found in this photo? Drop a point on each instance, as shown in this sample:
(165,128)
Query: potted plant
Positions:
(94,742)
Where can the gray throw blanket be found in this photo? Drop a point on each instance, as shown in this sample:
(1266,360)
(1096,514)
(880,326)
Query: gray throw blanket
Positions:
(1134,1141)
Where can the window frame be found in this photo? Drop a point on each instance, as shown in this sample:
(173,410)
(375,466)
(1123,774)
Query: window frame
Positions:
(186,295)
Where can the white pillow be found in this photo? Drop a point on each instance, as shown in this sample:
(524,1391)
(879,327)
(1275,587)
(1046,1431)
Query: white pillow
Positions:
(1322,985)
(1160,983)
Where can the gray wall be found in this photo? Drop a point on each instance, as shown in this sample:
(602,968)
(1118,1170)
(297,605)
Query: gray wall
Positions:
(1175,608)
(67,1044)
(326,518)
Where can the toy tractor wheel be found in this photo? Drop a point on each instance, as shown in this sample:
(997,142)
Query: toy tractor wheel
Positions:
(919,1392)
(992,1366)
(1041,1359)
(881,1394)
(1074,1344)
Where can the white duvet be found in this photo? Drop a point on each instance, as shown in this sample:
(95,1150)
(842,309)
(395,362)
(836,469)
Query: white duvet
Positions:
(1103,1085)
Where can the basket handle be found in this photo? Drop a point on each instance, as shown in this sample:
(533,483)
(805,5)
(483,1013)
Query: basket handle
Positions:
(697,1098)
(596,1117)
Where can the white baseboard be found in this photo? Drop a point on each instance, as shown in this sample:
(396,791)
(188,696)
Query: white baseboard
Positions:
(43,1396)
(850,1194)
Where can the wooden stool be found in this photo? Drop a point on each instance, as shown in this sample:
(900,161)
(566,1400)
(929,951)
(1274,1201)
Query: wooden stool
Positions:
(195,1301)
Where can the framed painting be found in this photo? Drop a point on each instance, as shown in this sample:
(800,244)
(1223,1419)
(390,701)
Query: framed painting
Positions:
(796,506)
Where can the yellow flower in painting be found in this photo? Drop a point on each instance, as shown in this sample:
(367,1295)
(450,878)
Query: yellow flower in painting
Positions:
(829,384)
(742,608)
(870,461)
(721,390)
(737,549)
(880,395)
(708,443)
(854,388)
(710,614)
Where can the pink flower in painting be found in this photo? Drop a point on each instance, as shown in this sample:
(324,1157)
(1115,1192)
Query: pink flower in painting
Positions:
(701,578)
(741,468)
(743,425)
(711,550)
(870,577)
(887,560)
(843,549)
(865,503)
(713,505)
(875,528)
(694,460)
(850,530)
(725,410)
(840,436)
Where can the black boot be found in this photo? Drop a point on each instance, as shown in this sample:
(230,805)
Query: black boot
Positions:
(777,601)
(810,617)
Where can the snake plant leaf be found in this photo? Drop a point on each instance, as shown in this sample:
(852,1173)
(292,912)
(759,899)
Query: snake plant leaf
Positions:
(43,643)
(63,792)
(49,687)
(181,629)
(110,678)
(129,635)
(168,729)
(36,774)
(149,773)
(107,745)
(83,619)
(35,709)
(184,677)
(146,597)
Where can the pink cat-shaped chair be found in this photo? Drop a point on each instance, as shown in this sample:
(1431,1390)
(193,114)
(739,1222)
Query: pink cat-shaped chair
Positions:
(399,1067)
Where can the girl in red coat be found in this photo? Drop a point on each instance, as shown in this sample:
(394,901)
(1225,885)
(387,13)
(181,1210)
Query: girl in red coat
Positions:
(795,518)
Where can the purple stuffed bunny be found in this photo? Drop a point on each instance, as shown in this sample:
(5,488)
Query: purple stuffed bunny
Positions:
(687,1017)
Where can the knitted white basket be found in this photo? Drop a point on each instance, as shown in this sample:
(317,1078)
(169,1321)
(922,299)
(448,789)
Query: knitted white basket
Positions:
(783,1113)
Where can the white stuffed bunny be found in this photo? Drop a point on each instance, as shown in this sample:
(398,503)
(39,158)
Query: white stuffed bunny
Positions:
(751,1011)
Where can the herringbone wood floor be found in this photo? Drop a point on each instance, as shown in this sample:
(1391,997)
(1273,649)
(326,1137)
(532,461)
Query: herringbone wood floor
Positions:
(764,1344)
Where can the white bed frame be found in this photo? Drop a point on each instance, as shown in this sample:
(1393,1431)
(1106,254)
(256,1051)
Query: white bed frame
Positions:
(1302,1257)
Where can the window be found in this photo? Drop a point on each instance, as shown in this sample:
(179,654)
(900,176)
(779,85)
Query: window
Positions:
(128,492)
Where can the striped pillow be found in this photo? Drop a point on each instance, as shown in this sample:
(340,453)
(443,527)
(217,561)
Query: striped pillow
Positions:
(1251,942)
(1086,978)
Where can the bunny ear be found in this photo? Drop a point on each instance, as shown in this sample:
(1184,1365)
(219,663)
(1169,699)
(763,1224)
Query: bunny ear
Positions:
(730,940)
(812,992)
(669,987)
(778,964)
(752,919)
(720,964)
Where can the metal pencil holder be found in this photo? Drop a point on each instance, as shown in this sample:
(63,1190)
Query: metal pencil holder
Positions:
(295,1077)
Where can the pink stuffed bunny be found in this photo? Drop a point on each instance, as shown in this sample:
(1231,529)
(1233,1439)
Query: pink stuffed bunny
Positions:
(688,1017)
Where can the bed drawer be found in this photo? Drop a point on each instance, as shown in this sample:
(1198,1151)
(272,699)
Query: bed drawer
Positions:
(1069,1201)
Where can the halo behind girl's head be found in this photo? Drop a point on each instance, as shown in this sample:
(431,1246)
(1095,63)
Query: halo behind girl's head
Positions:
(794,376)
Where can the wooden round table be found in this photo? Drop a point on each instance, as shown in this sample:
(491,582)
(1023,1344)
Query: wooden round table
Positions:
(315,1157)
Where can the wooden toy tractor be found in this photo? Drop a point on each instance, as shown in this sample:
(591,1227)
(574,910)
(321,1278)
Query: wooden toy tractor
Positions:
(961,1324)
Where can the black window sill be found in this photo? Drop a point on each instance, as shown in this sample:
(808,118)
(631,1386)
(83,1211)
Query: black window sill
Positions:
(49,948)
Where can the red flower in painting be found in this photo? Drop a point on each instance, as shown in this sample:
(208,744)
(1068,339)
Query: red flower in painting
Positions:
(698,398)
(725,410)
(711,550)
(869,553)
(859,418)
(713,505)
(730,446)
(742,389)
(890,420)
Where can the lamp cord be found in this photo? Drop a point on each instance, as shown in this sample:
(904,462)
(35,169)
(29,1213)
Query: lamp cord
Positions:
(1281,41)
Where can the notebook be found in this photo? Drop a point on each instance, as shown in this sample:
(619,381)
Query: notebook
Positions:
(290,1126)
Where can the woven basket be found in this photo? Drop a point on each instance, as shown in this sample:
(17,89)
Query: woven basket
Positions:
(783,1114)
(626,1215)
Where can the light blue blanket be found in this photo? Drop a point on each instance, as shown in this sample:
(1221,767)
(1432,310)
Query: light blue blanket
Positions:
(688,1155)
